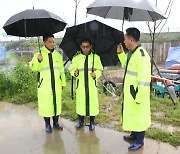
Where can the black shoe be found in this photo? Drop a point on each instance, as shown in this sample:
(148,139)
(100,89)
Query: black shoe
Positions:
(135,146)
(79,125)
(57,125)
(91,126)
(48,129)
(129,138)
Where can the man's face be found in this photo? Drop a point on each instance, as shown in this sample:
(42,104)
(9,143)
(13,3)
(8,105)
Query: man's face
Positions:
(49,43)
(127,41)
(86,47)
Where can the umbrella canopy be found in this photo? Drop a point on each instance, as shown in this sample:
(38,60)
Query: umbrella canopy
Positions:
(104,39)
(33,22)
(131,10)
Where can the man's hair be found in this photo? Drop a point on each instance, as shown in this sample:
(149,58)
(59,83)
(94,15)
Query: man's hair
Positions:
(86,40)
(133,32)
(46,36)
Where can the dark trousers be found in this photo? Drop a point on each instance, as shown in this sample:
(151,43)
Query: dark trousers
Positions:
(47,120)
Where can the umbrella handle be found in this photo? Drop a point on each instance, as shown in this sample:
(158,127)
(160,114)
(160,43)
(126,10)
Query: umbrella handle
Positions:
(39,44)
(93,61)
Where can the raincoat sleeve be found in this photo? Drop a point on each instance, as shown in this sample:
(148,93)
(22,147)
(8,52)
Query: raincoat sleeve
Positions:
(98,67)
(123,58)
(73,67)
(143,77)
(63,77)
(34,64)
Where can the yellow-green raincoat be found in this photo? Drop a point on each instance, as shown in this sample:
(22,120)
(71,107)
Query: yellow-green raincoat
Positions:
(86,89)
(136,91)
(51,80)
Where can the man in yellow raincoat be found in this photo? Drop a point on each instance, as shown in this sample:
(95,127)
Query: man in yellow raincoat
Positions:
(136,88)
(86,67)
(51,81)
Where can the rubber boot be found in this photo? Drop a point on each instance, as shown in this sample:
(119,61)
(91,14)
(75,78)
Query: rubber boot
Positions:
(130,137)
(47,125)
(81,121)
(139,141)
(56,124)
(92,126)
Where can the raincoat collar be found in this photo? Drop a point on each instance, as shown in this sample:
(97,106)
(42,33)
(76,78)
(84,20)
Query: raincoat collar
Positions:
(87,54)
(135,48)
(46,49)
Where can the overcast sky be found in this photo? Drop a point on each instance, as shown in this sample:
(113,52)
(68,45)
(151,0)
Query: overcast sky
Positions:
(65,9)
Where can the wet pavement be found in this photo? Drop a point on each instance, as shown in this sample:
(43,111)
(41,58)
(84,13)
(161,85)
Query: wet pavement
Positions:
(22,132)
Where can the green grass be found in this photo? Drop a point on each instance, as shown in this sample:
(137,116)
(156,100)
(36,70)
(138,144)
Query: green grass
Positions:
(169,115)
(163,136)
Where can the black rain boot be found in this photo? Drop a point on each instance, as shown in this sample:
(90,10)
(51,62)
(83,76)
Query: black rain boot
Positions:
(139,141)
(92,126)
(56,124)
(47,125)
(130,137)
(81,121)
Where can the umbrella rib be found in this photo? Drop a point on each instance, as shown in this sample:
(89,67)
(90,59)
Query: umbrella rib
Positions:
(151,15)
(108,10)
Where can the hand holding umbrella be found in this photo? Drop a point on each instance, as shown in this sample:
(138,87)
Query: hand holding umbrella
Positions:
(119,49)
(93,75)
(76,72)
(40,57)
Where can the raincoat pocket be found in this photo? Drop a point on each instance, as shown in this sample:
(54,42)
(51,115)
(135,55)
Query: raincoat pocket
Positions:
(133,91)
(95,82)
(77,84)
(40,83)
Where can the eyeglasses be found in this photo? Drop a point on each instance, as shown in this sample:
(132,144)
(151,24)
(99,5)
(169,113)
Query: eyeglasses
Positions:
(87,47)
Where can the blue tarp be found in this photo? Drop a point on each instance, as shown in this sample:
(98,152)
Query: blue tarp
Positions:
(2,52)
(173,56)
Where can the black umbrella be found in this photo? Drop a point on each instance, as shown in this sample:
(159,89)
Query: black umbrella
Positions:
(130,10)
(104,39)
(34,22)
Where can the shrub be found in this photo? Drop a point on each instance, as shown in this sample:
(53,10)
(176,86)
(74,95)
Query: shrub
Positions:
(19,84)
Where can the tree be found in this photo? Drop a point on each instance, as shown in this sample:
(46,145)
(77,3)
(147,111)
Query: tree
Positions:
(76,6)
(156,25)
(153,36)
